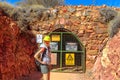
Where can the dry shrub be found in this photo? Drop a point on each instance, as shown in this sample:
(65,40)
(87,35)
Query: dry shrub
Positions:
(24,16)
(7,8)
(45,3)
(114,26)
(111,17)
(107,14)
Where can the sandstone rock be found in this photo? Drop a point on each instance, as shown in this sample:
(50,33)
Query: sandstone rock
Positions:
(71,10)
(107,64)
(16,50)
(82,20)
(92,52)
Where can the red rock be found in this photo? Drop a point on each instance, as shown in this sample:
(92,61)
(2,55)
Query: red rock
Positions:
(16,50)
(111,71)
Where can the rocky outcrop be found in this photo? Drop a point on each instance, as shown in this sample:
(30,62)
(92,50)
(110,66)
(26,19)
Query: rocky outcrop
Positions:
(16,50)
(17,47)
(84,21)
(107,65)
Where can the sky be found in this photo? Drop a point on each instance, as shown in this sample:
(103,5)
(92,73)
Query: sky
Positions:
(11,1)
(114,3)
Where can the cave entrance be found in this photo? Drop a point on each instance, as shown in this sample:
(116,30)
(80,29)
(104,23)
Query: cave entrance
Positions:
(68,53)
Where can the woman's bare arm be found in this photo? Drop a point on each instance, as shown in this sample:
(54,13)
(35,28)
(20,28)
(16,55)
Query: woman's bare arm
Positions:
(38,53)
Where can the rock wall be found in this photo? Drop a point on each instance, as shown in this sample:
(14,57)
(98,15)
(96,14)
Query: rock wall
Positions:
(17,47)
(84,21)
(107,65)
(16,50)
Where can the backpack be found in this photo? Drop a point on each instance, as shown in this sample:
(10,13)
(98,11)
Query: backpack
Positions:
(43,54)
(38,63)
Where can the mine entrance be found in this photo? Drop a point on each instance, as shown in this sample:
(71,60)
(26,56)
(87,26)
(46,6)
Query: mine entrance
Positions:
(68,53)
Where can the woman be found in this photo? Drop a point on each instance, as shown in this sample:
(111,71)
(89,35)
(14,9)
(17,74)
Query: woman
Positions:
(44,57)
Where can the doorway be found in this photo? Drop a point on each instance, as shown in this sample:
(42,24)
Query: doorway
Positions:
(68,53)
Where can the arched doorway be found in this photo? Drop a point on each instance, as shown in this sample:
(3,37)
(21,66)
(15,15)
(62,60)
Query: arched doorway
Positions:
(68,53)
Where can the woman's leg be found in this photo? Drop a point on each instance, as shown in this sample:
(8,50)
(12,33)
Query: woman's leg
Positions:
(45,76)
(49,68)
(45,72)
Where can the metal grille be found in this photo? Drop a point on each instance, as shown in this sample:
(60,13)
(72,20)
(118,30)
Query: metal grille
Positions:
(70,52)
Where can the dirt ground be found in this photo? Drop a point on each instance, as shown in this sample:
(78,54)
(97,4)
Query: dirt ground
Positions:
(63,76)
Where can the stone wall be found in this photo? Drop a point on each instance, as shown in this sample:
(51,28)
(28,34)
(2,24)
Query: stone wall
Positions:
(84,21)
